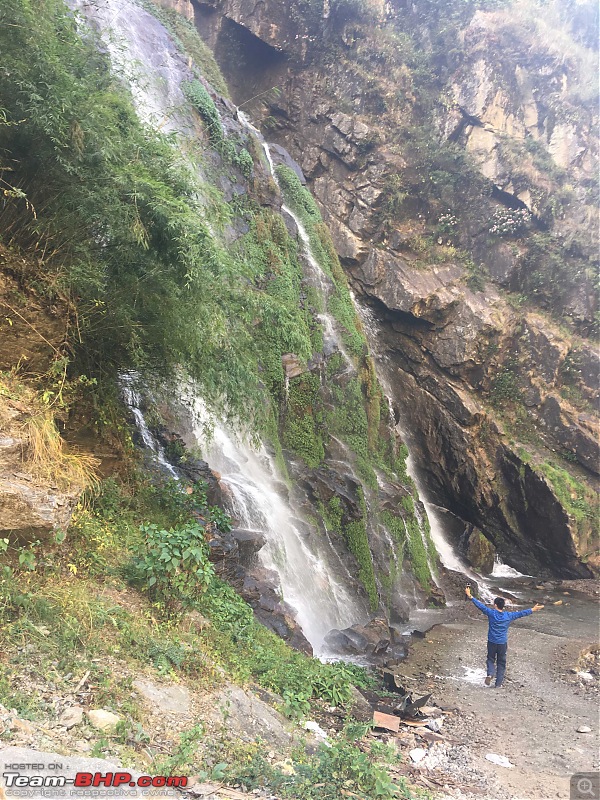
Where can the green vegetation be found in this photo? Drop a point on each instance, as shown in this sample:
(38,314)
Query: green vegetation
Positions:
(199,97)
(407,534)
(174,563)
(340,302)
(108,541)
(578,500)
(302,416)
(330,774)
(78,617)
(505,387)
(348,420)
(354,532)
(416,549)
(116,217)
(201,100)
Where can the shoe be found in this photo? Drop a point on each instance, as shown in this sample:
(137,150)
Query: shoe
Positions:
(499,686)
(488,680)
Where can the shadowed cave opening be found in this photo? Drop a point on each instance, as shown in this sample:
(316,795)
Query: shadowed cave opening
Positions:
(252,68)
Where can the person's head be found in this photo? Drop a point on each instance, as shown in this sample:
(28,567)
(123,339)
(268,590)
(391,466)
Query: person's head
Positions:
(499,603)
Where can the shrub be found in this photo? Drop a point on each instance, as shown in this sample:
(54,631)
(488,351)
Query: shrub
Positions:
(173,564)
(199,97)
(509,221)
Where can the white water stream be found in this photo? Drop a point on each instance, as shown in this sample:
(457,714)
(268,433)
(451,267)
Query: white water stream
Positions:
(313,580)
(133,401)
(446,551)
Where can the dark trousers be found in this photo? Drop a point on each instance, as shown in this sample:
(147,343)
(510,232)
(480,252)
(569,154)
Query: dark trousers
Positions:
(496,654)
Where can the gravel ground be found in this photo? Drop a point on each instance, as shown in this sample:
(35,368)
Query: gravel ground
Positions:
(532,720)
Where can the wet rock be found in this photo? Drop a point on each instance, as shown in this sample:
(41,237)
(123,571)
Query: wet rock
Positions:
(437,597)
(573,436)
(371,640)
(223,548)
(281,156)
(479,551)
(249,543)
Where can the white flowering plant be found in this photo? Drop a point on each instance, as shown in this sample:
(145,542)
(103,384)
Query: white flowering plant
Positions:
(509,221)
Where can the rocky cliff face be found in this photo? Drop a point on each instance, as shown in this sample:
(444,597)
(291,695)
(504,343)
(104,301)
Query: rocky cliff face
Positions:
(39,482)
(461,207)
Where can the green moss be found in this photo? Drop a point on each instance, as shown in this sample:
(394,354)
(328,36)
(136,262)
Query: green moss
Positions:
(576,499)
(348,420)
(201,100)
(267,257)
(189,42)
(411,535)
(354,534)
(300,425)
(340,303)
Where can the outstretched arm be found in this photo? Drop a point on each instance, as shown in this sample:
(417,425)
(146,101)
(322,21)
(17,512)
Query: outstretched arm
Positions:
(525,613)
(476,602)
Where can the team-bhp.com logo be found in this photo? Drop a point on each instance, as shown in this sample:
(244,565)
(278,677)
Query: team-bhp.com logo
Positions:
(93,779)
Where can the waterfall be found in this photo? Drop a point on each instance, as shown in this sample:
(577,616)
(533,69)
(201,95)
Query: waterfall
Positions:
(313,580)
(502,570)
(448,555)
(133,401)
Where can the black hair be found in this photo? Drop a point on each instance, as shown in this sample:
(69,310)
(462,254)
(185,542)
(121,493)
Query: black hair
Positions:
(499,602)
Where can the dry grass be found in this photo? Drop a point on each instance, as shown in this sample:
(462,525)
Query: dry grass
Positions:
(48,460)
(44,452)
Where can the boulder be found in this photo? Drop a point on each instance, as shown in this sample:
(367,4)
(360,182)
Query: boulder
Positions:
(371,640)
(479,551)
(71,717)
(249,543)
(169,699)
(103,720)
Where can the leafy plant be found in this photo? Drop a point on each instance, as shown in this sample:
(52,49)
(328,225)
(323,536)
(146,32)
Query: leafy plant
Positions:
(173,564)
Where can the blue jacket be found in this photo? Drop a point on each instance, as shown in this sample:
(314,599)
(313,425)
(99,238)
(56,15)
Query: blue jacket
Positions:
(499,621)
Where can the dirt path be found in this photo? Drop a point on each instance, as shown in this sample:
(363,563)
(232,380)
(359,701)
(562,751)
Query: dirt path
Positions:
(532,721)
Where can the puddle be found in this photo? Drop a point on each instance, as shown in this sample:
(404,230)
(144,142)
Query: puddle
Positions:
(473,676)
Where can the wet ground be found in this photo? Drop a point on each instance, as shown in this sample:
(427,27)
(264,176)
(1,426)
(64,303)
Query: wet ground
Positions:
(533,720)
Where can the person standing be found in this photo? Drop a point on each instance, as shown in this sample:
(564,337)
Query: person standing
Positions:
(499,621)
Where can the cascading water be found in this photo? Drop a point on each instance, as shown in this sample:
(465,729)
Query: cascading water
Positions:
(313,580)
(315,275)
(133,401)
(144,56)
(446,551)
